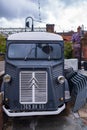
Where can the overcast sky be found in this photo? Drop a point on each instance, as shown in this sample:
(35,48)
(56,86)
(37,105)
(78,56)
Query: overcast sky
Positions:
(65,14)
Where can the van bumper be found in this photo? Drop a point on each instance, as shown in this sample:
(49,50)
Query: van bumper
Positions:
(21,114)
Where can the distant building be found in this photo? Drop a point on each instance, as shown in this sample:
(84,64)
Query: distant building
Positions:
(84,47)
(66,35)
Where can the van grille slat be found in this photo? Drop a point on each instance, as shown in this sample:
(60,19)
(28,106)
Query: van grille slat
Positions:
(33,87)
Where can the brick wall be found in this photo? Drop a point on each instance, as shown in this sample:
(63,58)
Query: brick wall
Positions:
(84,47)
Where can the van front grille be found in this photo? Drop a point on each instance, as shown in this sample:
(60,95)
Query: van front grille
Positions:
(33,87)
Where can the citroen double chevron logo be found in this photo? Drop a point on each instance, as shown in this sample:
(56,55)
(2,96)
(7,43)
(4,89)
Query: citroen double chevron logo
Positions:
(33,81)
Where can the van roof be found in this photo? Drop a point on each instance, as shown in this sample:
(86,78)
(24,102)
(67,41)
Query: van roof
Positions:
(35,36)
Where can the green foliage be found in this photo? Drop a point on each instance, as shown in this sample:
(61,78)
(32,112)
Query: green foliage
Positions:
(68,50)
(2,44)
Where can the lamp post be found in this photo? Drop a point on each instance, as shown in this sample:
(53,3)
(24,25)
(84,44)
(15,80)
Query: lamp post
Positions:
(82,29)
(27,23)
(82,35)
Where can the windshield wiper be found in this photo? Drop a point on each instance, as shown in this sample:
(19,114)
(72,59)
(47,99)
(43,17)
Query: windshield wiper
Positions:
(29,53)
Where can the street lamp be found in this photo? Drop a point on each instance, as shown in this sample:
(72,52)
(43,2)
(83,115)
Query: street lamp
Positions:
(82,35)
(27,23)
(82,29)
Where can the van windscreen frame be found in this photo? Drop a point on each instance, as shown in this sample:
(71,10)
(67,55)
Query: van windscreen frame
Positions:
(32,50)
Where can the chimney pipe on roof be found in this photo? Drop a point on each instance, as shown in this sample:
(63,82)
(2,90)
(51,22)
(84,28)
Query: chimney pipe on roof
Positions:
(50,28)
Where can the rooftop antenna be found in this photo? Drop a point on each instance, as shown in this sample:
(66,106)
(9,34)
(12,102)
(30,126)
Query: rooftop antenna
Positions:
(39,10)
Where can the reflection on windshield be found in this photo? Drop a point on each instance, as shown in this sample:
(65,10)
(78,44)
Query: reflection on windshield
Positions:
(47,49)
(34,51)
(28,55)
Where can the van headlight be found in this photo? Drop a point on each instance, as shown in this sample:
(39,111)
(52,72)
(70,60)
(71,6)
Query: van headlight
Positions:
(7,78)
(61,79)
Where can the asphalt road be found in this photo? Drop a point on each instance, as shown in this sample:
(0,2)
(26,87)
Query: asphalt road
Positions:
(48,123)
(64,121)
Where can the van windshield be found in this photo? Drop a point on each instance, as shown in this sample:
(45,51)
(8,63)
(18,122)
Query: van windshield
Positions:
(34,51)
